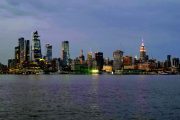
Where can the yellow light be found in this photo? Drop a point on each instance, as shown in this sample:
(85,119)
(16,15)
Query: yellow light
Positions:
(41,59)
(95,71)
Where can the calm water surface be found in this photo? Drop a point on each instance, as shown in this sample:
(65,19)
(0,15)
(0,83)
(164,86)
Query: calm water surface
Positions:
(86,97)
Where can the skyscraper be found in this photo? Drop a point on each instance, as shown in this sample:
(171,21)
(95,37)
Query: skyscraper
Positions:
(22,52)
(48,52)
(99,60)
(36,47)
(65,53)
(89,59)
(81,57)
(168,61)
(22,49)
(27,50)
(142,50)
(118,60)
(175,62)
(17,54)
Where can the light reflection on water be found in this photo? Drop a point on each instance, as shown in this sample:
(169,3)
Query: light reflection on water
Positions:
(91,97)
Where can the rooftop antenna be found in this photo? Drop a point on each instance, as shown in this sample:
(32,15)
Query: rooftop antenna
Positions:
(142,44)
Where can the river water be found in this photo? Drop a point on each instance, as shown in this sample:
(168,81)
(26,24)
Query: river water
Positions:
(89,97)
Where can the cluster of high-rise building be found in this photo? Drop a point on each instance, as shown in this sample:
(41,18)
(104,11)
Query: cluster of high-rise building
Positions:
(24,52)
(28,55)
(29,59)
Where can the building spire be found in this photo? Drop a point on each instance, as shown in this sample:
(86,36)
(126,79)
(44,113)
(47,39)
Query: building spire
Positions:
(143,56)
(142,43)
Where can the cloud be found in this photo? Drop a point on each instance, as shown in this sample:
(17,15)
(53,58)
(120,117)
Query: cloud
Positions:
(116,24)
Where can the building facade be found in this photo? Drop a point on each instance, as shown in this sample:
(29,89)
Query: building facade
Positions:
(36,47)
(48,52)
(99,60)
(17,55)
(65,53)
(168,60)
(175,62)
(27,50)
(89,59)
(127,60)
(81,57)
(22,49)
(118,60)
(143,56)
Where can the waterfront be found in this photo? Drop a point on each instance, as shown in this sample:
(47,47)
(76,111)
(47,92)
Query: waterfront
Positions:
(89,97)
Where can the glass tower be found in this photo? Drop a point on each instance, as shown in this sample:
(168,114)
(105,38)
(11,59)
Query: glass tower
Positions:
(36,47)
(48,52)
(65,53)
(22,49)
(27,50)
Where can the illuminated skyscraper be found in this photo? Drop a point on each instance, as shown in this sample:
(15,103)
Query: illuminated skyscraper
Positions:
(65,53)
(118,60)
(22,52)
(143,56)
(22,49)
(17,54)
(89,56)
(90,59)
(36,47)
(48,52)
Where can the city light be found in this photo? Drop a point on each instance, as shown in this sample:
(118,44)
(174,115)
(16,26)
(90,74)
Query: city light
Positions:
(95,71)
(28,60)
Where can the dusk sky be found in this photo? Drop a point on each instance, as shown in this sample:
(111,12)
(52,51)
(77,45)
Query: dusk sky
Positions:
(97,25)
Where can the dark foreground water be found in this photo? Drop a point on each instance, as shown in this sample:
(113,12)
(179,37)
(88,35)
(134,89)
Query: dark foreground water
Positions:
(85,97)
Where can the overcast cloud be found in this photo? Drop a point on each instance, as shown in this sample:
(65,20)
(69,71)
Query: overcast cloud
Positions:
(99,25)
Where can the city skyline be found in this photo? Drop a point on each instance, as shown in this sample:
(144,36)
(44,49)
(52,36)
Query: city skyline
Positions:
(28,59)
(116,25)
(32,51)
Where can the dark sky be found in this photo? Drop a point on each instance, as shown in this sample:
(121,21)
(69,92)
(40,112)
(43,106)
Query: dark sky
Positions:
(97,25)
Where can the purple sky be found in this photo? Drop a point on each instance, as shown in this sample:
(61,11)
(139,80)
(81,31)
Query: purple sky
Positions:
(97,25)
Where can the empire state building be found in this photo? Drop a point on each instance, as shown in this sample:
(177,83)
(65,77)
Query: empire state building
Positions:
(143,56)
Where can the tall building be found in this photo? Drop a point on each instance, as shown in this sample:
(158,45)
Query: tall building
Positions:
(65,53)
(106,61)
(175,62)
(89,56)
(17,54)
(11,63)
(27,50)
(48,52)
(89,59)
(127,60)
(22,52)
(118,60)
(36,47)
(99,60)
(168,60)
(81,57)
(22,49)
(143,55)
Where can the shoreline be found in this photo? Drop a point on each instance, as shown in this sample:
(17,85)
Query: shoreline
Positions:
(90,74)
